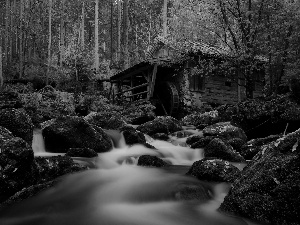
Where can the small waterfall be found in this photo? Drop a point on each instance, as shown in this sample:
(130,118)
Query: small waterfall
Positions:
(38,145)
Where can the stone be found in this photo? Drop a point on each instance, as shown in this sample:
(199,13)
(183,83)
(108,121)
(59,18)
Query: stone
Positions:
(201,119)
(63,133)
(225,130)
(214,170)
(182,134)
(132,136)
(161,136)
(26,193)
(192,192)
(221,150)
(17,167)
(236,143)
(52,167)
(81,152)
(153,161)
(17,122)
(202,142)
(4,135)
(105,120)
(268,189)
(252,147)
(138,120)
(10,100)
(161,124)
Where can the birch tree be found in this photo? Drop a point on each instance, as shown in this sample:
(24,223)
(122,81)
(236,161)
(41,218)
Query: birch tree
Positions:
(49,40)
(97,35)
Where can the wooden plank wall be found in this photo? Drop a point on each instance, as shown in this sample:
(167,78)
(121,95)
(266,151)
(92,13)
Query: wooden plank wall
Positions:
(217,92)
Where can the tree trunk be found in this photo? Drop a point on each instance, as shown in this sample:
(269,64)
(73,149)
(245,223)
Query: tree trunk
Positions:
(119,21)
(62,35)
(6,49)
(82,26)
(21,53)
(125,32)
(11,31)
(97,35)
(165,18)
(111,30)
(49,41)
(1,74)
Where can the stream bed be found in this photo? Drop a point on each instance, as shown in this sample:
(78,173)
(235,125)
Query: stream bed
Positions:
(115,191)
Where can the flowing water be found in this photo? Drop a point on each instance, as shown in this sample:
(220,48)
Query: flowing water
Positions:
(118,192)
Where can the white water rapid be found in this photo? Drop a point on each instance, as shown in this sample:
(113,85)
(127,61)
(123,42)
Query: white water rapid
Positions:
(120,193)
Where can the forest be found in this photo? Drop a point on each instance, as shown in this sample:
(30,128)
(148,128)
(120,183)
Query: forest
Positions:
(52,40)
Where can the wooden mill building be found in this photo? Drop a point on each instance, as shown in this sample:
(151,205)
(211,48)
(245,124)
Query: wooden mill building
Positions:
(172,79)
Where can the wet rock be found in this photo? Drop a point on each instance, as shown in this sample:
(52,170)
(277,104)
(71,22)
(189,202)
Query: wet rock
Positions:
(161,136)
(202,142)
(252,147)
(63,133)
(192,192)
(214,170)
(182,134)
(138,120)
(105,120)
(153,161)
(149,146)
(269,116)
(132,136)
(221,150)
(10,100)
(269,186)
(226,112)
(4,135)
(193,139)
(26,193)
(236,143)
(161,124)
(200,120)
(17,167)
(52,167)
(17,122)
(81,152)
(224,130)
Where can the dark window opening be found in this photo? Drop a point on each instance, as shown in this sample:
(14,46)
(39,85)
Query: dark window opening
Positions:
(197,83)
(228,83)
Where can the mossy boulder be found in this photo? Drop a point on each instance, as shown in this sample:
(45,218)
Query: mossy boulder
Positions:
(153,161)
(200,120)
(161,124)
(17,122)
(63,133)
(214,170)
(105,120)
(252,147)
(221,150)
(224,130)
(17,167)
(268,116)
(10,100)
(199,143)
(132,136)
(269,186)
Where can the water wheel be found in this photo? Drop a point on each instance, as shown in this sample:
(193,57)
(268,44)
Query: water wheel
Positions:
(167,95)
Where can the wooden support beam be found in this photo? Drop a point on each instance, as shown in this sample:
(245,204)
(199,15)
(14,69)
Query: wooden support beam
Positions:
(130,89)
(152,83)
(143,92)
